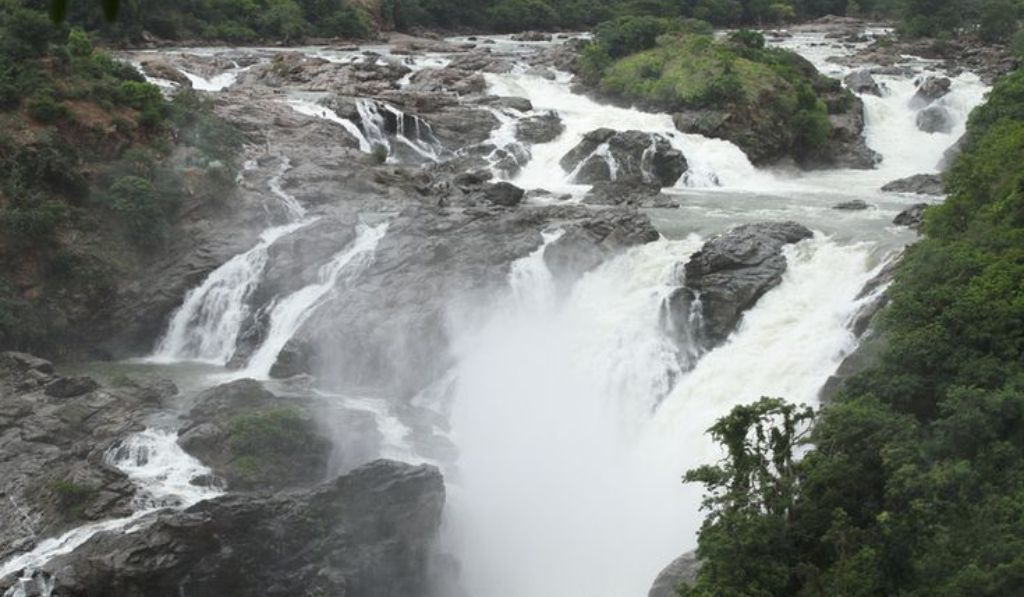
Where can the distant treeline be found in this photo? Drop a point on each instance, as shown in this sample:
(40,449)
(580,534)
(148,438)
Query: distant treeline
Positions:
(294,20)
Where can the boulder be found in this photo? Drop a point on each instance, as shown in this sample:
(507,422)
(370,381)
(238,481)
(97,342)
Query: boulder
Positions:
(520,104)
(683,569)
(254,440)
(631,156)
(370,533)
(854,205)
(930,89)
(504,194)
(912,217)
(728,275)
(919,184)
(531,36)
(160,69)
(541,128)
(69,387)
(934,119)
(862,82)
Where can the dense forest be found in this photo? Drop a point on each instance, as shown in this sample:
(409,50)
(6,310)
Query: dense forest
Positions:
(915,482)
(295,20)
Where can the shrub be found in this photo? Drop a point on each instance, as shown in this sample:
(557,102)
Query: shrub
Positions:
(32,224)
(628,35)
(45,108)
(79,43)
(145,214)
(72,497)
(274,447)
(516,15)
(748,39)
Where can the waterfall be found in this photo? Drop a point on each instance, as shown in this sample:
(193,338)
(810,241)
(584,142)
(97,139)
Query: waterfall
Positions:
(384,124)
(161,470)
(290,312)
(576,418)
(310,109)
(206,326)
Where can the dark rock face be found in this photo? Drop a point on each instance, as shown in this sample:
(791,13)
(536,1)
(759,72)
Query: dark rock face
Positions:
(728,276)
(254,440)
(846,147)
(912,217)
(388,328)
(918,184)
(630,156)
(368,534)
(632,194)
(862,82)
(55,433)
(931,89)
(683,569)
(855,205)
(588,242)
(504,194)
(542,128)
(934,119)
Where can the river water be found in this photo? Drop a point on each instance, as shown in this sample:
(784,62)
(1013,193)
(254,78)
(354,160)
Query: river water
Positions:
(574,414)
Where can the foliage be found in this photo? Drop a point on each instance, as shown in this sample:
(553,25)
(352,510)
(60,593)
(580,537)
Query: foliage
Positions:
(72,497)
(915,484)
(270,447)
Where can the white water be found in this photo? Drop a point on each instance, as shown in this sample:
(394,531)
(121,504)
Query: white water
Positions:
(290,312)
(206,326)
(216,83)
(310,109)
(161,470)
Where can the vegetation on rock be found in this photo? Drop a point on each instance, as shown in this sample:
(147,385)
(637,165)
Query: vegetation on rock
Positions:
(93,164)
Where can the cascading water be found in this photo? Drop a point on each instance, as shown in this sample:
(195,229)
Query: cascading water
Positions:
(163,473)
(308,108)
(290,312)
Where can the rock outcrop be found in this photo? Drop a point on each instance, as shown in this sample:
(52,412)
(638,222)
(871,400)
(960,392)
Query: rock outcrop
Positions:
(542,128)
(631,156)
(912,217)
(55,434)
(934,119)
(728,275)
(931,89)
(918,184)
(862,82)
(367,534)
(683,569)
(252,439)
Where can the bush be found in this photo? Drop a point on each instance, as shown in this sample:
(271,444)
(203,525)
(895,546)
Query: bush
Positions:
(145,214)
(32,224)
(274,447)
(628,35)
(79,44)
(45,108)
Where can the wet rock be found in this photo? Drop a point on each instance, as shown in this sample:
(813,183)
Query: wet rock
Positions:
(919,184)
(951,154)
(854,205)
(520,104)
(372,532)
(69,387)
(447,80)
(254,440)
(160,69)
(728,275)
(586,244)
(544,194)
(683,569)
(631,156)
(862,82)
(628,193)
(541,128)
(912,217)
(931,89)
(55,433)
(504,194)
(934,119)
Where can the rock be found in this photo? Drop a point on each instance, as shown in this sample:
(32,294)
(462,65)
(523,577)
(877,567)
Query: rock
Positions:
(854,205)
(934,119)
(931,89)
(520,104)
(253,439)
(862,82)
(541,128)
(628,193)
(531,36)
(683,569)
(160,69)
(370,533)
(504,194)
(920,184)
(951,154)
(912,217)
(69,387)
(631,157)
(588,243)
(546,195)
(729,274)
(55,435)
